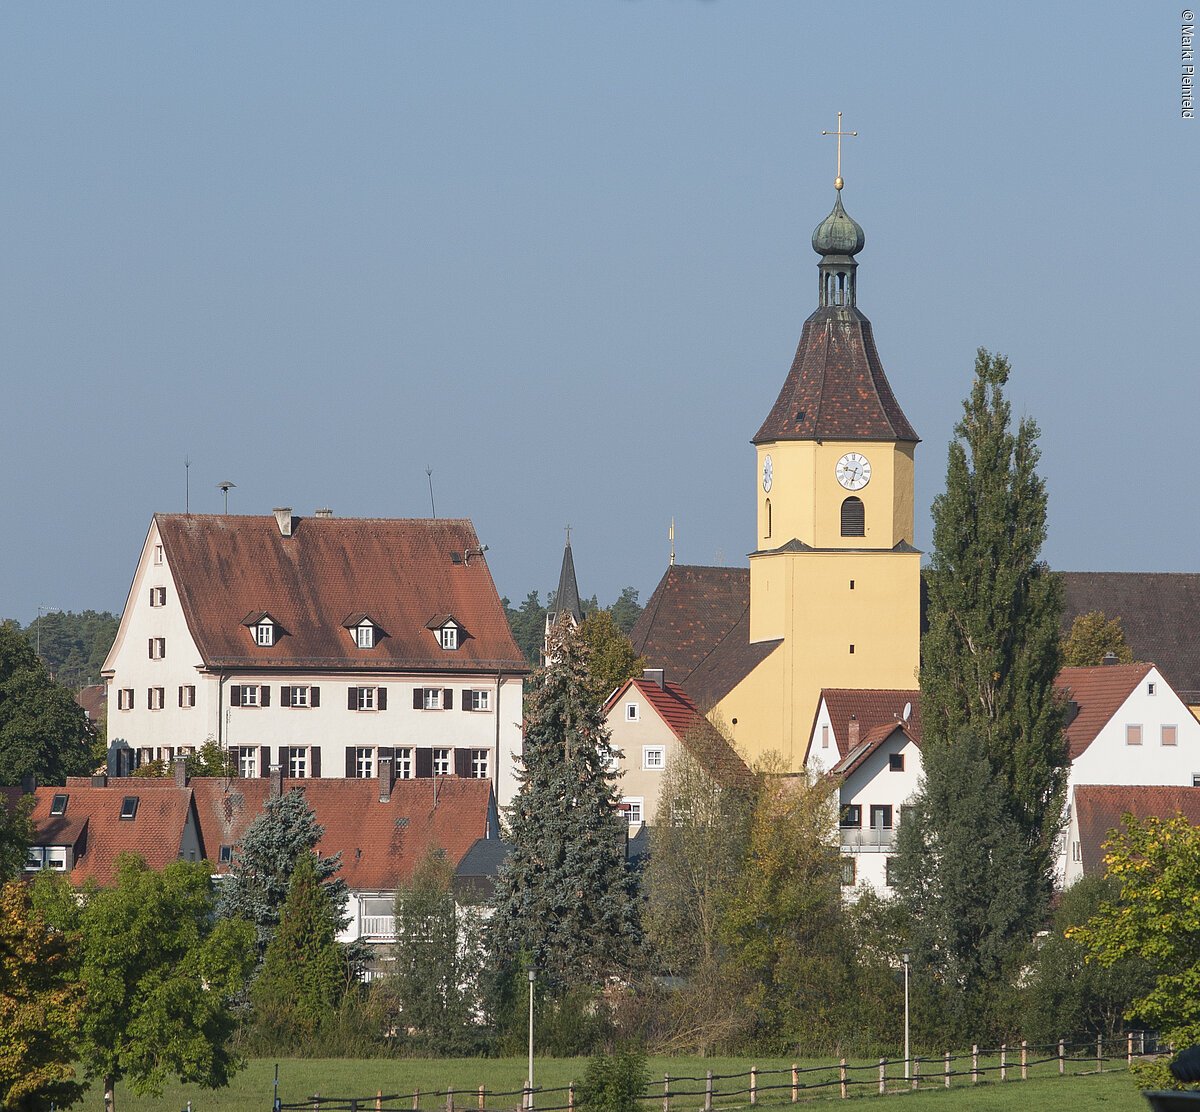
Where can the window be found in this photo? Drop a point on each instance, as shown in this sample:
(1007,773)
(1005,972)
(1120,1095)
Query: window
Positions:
(852,584)
(297,762)
(125,698)
(851,818)
(633,811)
(895,762)
(158,596)
(187,695)
(1076,852)
(1196,779)
(34,859)
(848,872)
(654,757)
(854,518)
(881,816)
(297,697)
(889,864)
(612,758)
(631,712)
(129,806)
(478,700)
(448,636)
(479,764)
(364,635)
(264,634)
(158,554)
(851,650)
(158,648)
(225,855)
(768,517)
(155,698)
(58,805)
(1168,735)
(404,764)
(824,737)
(364,763)
(1151,688)
(247,761)
(1133,734)
(431,698)
(441,762)
(366,698)
(248,695)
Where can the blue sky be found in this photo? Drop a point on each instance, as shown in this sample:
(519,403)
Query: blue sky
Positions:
(559,252)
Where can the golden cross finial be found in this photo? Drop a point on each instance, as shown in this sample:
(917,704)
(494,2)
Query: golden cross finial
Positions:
(838,183)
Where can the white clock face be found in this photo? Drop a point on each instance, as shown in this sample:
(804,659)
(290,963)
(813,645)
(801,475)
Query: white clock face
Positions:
(853,471)
(768,474)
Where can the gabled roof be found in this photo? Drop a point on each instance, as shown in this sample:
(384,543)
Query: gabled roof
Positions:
(1099,692)
(94,700)
(836,388)
(394,571)
(1099,807)
(1158,611)
(693,731)
(696,627)
(872,707)
(873,742)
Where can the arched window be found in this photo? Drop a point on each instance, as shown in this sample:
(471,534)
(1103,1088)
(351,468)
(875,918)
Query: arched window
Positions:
(854,518)
(768,517)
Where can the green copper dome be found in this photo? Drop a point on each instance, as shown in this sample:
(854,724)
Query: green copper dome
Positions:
(838,234)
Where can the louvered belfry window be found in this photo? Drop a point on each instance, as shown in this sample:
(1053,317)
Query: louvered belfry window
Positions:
(854,518)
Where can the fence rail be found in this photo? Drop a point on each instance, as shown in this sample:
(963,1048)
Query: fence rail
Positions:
(786,1085)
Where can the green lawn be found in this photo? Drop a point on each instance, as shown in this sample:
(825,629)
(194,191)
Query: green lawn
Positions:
(251,1090)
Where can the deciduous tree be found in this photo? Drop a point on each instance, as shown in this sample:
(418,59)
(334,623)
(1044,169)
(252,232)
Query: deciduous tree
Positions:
(611,656)
(1093,635)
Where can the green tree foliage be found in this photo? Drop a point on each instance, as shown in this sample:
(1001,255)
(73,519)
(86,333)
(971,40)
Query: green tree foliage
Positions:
(160,972)
(565,897)
(73,646)
(1155,918)
(41,1007)
(304,973)
(611,656)
(991,653)
(626,610)
(528,625)
(16,835)
(438,959)
(962,875)
(43,731)
(1069,997)
(783,922)
(209,760)
(1093,635)
(264,860)
(613,1082)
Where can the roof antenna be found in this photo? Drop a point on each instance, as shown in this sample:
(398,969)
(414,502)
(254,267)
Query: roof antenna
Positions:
(225,488)
(429,476)
(187,485)
(671,537)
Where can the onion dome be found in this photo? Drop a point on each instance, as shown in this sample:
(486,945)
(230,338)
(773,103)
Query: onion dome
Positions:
(838,234)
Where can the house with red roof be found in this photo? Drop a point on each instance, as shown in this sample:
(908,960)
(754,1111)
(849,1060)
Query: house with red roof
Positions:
(651,721)
(328,646)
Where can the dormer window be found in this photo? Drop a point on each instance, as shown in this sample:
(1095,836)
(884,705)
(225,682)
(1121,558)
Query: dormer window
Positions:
(449,636)
(264,633)
(265,630)
(448,631)
(364,635)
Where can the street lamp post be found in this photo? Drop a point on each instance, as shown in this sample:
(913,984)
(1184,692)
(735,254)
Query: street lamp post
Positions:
(904,960)
(529,1083)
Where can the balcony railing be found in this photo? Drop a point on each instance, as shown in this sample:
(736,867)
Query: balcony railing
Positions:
(379,926)
(875,839)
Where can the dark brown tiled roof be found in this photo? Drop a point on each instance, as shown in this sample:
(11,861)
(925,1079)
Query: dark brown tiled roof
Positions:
(873,707)
(398,572)
(1099,807)
(836,389)
(1160,612)
(1099,693)
(696,627)
(94,700)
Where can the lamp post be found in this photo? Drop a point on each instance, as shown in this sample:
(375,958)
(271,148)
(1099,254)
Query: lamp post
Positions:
(904,960)
(532,972)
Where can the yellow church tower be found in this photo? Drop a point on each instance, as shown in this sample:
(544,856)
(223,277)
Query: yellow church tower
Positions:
(834,576)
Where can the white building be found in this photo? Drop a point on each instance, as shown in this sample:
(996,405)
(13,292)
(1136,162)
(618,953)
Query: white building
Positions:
(325,645)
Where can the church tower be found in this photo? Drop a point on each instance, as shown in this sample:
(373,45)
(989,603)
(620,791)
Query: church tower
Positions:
(834,576)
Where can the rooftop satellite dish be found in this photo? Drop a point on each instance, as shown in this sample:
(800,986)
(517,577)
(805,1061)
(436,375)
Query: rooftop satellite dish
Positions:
(907,713)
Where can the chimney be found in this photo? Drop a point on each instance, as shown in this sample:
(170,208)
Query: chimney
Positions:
(852,733)
(386,779)
(29,783)
(283,516)
(1072,712)
(100,780)
(181,772)
(276,789)
(655,675)
(1110,657)
(324,511)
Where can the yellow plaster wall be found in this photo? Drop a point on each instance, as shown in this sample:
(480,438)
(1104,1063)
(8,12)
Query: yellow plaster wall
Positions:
(756,713)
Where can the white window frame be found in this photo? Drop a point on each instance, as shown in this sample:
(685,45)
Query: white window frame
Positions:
(124,698)
(431,698)
(654,758)
(635,809)
(158,648)
(364,762)
(298,697)
(1131,737)
(158,553)
(299,762)
(158,596)
(1151,688)
(249,694)
(56,858)
(448,636)
(187,695)
(632,713)
(481,699)
(1162,734)
(247,762)
(35,859)
(443,760)
(479,764)
(364,635)
(404,763)
(264,634)
(368,698)
(157,698)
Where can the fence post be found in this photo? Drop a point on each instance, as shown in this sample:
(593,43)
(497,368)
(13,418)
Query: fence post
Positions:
(449,1100)
(708,1092)
(974,1063)
(916,1071)
(883,1075)
(353,1104)
(1062,1057)
(842,1077)
(666,1092)
(947,1069)
(481,1101)
(1129,1052)
(570,1098)
(1099,1053)
(1024,1059)
(378,1100)
(754,1084)
(316,1102)
(416,1099)
(1003,1061)
(795,1083)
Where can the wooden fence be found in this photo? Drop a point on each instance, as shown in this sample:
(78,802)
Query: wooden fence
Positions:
(772,1086)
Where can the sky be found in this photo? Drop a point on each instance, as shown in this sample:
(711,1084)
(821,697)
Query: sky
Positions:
(559,254)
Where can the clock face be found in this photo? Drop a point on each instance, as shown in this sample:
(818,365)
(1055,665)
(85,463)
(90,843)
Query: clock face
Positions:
(768,474)
(853,471)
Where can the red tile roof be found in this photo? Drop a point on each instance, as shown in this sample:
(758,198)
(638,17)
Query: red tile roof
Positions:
(872,742)
(836,388)
(873,707)
(703,740)
(1099,692)
(1099,807)
(399,572)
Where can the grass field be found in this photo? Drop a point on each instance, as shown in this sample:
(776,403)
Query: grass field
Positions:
(252,1091)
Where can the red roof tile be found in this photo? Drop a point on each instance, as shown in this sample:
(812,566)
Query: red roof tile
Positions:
(399,572)
(1099,692)
(872,742)
(1099,807)
(873,707)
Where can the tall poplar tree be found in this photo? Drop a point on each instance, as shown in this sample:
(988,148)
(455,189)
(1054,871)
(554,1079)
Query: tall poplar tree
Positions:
(565,898)
(992,648)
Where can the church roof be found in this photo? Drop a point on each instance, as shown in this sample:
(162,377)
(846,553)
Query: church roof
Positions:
(836,388)
(566,598)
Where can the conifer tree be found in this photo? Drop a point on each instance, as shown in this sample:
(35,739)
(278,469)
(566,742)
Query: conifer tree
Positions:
(565,898)
(992,649)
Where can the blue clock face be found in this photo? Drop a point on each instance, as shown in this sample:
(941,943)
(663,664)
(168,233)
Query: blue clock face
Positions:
(768,474)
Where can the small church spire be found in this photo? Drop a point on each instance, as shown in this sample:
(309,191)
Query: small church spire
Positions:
(566,600)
